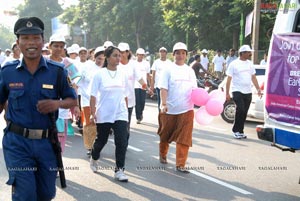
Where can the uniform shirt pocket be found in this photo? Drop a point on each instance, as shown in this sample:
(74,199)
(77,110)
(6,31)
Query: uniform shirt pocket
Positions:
(15,99)
(48,94)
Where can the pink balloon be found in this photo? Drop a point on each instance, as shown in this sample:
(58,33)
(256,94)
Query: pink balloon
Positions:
(218,94)
(214,107)
(202,117)
(199,96)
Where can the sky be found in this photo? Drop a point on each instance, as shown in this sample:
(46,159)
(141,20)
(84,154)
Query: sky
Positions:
(9,21)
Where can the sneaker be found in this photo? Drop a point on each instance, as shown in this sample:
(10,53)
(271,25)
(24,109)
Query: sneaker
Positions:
(94,164)
(120,176)
(138,121)
(237,135)
(182,170)
(89,152)
(242,135)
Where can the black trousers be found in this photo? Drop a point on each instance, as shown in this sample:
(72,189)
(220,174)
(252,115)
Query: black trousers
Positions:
(120,137)
(242,102)
(140,99)
(158,97)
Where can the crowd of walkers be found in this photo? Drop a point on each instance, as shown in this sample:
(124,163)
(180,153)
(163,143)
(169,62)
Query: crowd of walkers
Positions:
(97,88)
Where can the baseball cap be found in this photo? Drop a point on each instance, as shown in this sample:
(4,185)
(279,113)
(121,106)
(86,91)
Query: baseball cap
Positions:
(245,48)
(82,49)
(140,51)
(57,38)
(29,25)
(99,49)
(13,45)
(107,44)
(123,47)
(7,50)
(204,51)
(179,46)
(163,49)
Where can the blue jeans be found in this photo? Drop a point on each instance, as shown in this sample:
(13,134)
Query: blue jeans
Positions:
(32,167)
(121,141)
(140,100)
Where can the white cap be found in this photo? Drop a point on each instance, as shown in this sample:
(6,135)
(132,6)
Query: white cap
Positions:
(99,49)
(57,38)
(107,44)
(123,47)
(82,49)
(7,50)
(179,46)
(163,49)
(71,50)
(204,51)
(245,48)
(140,51)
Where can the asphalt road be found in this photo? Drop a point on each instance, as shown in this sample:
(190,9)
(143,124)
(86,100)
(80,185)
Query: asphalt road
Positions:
(222,168)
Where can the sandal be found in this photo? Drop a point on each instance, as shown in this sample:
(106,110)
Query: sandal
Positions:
(163,160)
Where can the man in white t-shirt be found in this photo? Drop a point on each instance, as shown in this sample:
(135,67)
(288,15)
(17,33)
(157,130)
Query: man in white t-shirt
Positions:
(204,61)
(140,94)
(241,73)
(218,63)
(157,68)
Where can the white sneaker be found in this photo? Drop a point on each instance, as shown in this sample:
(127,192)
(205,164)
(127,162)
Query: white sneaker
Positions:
(242,135)
(94,164)
(120,176)
(237,135)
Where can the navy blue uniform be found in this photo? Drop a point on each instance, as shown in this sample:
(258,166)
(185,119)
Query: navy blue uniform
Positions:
(31,163)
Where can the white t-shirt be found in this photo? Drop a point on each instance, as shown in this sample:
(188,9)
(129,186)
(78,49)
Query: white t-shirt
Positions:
(87,70)
(179,81)
(241,73)
(133,74)
(204,62)
(112,87)
(263,62)
(218,61)
(144,68)
(157,66)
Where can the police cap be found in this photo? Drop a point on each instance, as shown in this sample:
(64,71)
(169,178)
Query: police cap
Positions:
(29,25)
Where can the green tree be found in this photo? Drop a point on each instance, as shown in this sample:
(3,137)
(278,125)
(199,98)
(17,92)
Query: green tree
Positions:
(43,9)
(6,37)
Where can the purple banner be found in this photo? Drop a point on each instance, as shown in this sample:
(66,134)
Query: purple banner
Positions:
(283,88)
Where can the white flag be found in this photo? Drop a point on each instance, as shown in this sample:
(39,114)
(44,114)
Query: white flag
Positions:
(248,25)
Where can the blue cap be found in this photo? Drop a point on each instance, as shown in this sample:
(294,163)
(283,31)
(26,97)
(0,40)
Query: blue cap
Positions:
(29,25)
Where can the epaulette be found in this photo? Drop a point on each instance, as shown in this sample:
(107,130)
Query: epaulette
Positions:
(55,63)
(11,63)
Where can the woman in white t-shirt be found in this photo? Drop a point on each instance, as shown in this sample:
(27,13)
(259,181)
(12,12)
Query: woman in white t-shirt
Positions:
(110,85)
(177,109)
(133,74)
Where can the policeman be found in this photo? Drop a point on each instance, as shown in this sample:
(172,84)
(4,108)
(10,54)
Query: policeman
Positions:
(31,88)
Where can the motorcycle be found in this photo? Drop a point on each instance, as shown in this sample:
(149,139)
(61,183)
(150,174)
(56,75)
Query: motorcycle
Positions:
(208,83)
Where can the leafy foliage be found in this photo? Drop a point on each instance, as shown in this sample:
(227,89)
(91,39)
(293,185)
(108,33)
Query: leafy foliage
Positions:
(210,24)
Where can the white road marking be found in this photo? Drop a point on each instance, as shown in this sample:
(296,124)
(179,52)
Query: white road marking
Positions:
(221,182)
(217,129)
(130,147)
